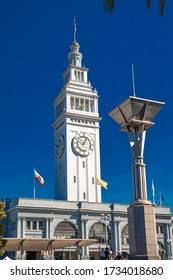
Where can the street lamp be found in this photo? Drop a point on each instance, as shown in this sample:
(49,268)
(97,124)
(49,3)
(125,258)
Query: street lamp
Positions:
(135,115)
(106,218)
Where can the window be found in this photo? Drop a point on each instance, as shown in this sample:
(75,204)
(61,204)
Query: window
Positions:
(65,230)
(92,180)
(77,103)
(82,77)
(157,229)
(83,164)
(72,102)
(125,235)
(34,225)
(87,105)
(98,231)
(60,108)
(74,179)
(84,196)
(82,104)
(40,225)
(28,225)
(75,75)
(161,229)
(92,105)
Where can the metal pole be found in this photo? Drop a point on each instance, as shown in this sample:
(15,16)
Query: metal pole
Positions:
(34,185)
(106,218)
(106,230)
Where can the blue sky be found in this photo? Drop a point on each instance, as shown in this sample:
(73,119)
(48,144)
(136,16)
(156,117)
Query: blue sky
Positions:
(35,39)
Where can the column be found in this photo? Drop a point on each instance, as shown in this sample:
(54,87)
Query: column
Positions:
(169,247)
(19,227)
(23,227)
(113,235)
(46,228)
(50,233)
(115,241)
(85,237)
(171,241)
(83,234)
(117,237)
(85,250)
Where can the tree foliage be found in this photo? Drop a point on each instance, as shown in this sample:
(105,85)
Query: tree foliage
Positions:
(109,5)
(2,216)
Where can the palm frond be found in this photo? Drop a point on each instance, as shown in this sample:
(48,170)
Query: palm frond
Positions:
(148,2)
(109,5)
(162,6)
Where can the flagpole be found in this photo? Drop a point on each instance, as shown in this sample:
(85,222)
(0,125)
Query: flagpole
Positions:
(160,199)
(74,29)
(153,192)
(34,186)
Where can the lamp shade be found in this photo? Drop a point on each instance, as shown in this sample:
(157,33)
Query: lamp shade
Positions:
(135,111)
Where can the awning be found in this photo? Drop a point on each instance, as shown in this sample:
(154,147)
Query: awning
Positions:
(44,244)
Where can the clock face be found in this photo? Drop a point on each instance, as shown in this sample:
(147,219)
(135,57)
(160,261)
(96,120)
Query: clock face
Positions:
(83,144)
(59,146)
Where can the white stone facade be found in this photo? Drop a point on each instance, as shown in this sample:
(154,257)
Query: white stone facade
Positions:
(41,218)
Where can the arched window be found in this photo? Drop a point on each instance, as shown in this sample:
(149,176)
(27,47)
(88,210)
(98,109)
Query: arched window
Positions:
(65,230)
(125,235)
(100,232)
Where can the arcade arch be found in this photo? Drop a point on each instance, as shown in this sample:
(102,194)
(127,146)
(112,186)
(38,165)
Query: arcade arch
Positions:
(65,229)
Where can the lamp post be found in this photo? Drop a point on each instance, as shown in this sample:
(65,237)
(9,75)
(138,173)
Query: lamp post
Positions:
(134,116)
(106,218)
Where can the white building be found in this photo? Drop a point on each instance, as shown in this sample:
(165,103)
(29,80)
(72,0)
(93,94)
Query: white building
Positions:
(78,211)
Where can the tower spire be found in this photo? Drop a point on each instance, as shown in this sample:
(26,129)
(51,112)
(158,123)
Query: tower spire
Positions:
(74,29)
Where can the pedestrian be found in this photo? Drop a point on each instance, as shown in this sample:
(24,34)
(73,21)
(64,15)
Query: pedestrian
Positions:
(102,254)
(111,256)
(107,253)
(118,256)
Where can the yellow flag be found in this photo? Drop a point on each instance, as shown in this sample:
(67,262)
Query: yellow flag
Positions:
(101,183)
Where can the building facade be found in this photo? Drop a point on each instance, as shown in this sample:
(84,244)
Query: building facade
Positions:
(44,218)
(77,210)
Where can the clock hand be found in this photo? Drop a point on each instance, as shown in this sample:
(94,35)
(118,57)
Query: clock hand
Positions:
(85,141)
(87,145)
(80,141)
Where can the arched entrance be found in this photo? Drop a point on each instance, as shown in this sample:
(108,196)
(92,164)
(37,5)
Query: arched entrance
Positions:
(101,233)
(65,230)
(125,240)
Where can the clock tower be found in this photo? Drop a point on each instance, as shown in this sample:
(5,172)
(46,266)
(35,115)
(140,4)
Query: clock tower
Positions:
(76,134)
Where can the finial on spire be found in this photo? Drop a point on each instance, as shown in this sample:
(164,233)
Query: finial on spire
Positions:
(74,29)
(133,80)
